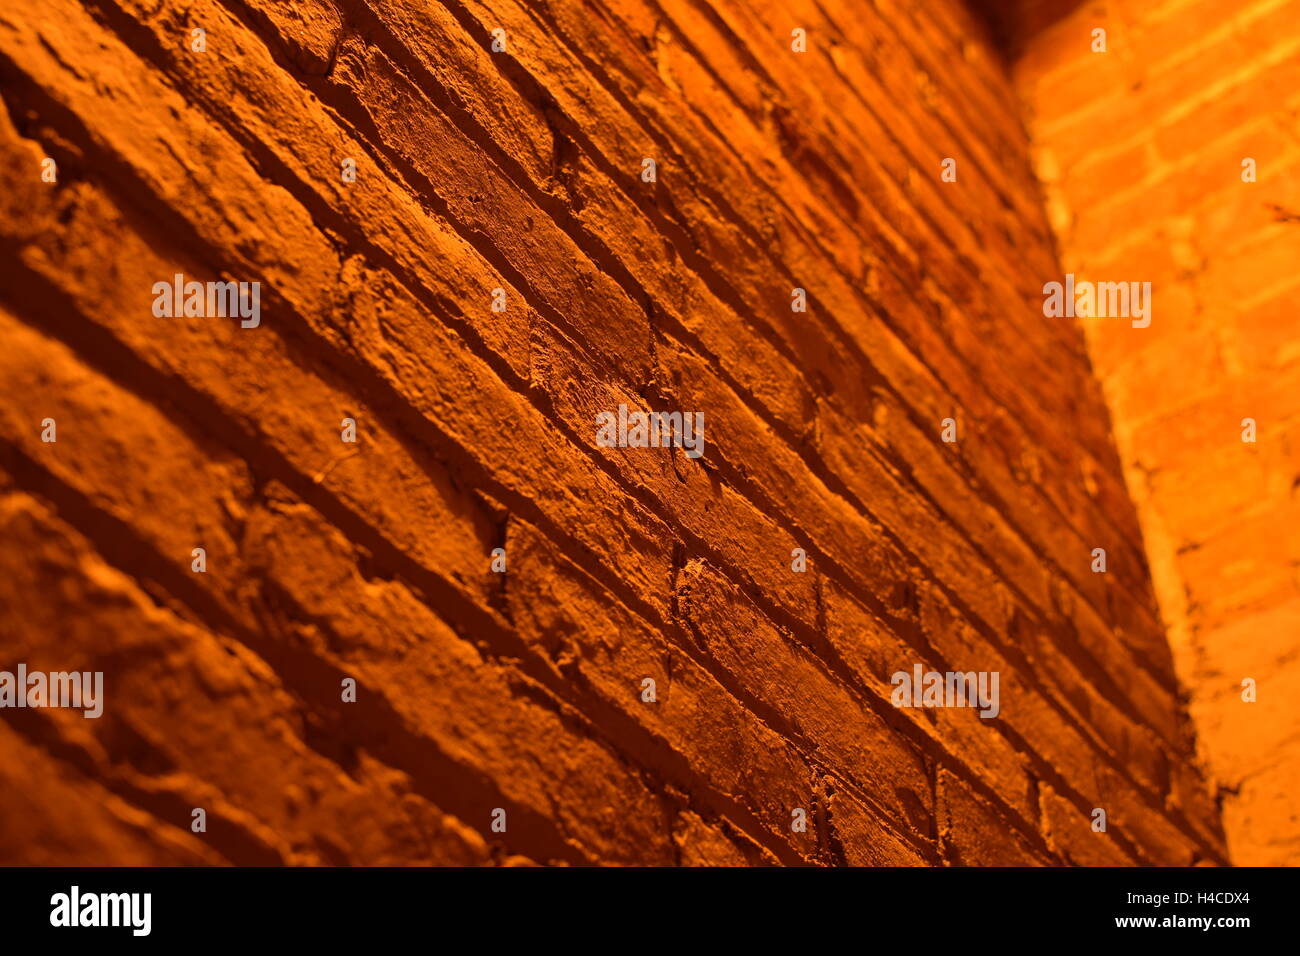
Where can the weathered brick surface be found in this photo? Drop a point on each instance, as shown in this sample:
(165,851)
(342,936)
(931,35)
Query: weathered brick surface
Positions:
(1140,150)
(519,170)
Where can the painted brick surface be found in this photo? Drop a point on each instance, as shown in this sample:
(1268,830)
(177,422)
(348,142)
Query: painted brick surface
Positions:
(1144,151)
(520,170)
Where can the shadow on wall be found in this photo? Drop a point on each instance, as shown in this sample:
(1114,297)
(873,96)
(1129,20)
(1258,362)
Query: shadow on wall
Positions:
(1015,22)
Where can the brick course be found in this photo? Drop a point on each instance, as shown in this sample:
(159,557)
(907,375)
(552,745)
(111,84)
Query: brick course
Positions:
(1145,176)
(520,171)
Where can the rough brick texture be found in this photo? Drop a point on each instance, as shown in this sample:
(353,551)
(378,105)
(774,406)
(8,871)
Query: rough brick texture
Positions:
(521,170)
(1141,150)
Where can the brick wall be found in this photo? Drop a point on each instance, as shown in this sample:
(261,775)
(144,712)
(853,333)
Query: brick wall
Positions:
(1142,150)
(522,691)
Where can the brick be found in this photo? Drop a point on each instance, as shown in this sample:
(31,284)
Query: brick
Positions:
(518,170)
(1205,85)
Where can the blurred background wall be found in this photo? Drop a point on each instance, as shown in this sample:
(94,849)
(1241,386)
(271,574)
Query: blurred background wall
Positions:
(1174,157)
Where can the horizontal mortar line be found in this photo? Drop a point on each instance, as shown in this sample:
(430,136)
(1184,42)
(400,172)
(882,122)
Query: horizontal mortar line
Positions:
(1001,198)
(403,562)
(1014,524)
(640,291)
(1184,107)
(522,687)
(241,846)
(649,212)
(991,72)
(1205,202)
(1121,252)
(723,565)
(1085,166)
(859,507)
(411,572)
(724,25)
(956,93)
(915,731)
(37,729)
(119,545)
(1169,171)
(905,340)
(1262,296)
(960,249)
(721,207)
(138,378)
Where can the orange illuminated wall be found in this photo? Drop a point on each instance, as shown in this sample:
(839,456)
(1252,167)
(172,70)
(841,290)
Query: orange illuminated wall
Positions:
(478,634)
(1175,158)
